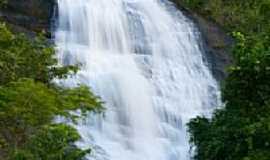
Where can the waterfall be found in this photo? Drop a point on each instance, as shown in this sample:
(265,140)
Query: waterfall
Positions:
(143,58)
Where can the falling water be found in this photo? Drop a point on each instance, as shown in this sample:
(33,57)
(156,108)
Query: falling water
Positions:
(143,58)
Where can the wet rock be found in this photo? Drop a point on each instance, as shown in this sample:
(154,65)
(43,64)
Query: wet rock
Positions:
(28,16)
(217,44)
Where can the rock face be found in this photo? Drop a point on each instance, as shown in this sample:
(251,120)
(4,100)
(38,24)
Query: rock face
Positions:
(28,15)
(216,42)
(217,45)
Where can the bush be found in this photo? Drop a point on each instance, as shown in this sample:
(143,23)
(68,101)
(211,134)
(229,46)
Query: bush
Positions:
(60,138)
(21,57)
(240,131)
(29,101)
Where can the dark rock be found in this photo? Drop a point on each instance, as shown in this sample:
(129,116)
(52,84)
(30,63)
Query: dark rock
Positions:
(28,16)
(217,44)
(31,16)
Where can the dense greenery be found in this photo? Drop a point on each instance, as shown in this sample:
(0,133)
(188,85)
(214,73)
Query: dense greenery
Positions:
(22,57)
(30,101)
(247,16)
(241,129)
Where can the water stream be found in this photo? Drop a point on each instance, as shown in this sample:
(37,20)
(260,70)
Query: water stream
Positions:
(143,58)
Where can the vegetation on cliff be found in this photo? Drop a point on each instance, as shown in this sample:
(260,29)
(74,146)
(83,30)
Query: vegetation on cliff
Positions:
(30,101)
(241,129)
(250,17)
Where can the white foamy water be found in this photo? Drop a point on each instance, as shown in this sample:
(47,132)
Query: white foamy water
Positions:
(143,58)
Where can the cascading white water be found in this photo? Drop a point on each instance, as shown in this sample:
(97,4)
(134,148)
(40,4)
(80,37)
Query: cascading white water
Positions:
(143,58)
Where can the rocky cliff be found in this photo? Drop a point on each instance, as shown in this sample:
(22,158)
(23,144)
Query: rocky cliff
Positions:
(216,42)
(28,15)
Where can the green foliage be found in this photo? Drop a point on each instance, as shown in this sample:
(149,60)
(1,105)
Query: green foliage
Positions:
(265,10)
(3,2)
(25,106)
(30,101)
(21,57)
(246,16)
(195,4)
(241,130)
(59,139)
